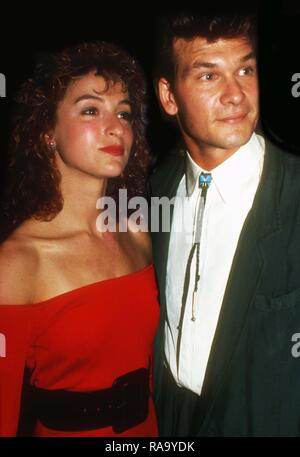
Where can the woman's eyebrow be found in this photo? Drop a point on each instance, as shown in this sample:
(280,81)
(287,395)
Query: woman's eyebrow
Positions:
(124,101)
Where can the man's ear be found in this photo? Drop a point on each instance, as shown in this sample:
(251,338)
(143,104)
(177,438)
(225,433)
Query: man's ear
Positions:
(166,97)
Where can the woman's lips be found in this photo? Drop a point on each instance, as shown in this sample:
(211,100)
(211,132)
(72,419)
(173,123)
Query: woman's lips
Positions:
(234,118)
(115,150)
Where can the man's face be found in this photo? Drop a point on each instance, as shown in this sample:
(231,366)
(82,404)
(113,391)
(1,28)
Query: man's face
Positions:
(215,94)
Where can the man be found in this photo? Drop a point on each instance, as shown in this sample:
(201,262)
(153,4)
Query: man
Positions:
(230,292)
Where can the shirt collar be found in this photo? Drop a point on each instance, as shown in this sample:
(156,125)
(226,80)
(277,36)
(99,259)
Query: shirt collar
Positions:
(231,175)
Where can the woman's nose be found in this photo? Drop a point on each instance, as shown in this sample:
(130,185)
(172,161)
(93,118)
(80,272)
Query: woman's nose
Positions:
(113,125)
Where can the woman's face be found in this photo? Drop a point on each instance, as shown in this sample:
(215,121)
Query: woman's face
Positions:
(93,131)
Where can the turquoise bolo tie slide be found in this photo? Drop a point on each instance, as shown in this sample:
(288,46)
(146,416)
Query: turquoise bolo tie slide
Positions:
(205,180)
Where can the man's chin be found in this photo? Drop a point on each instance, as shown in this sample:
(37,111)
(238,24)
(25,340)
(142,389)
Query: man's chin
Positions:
(235,141)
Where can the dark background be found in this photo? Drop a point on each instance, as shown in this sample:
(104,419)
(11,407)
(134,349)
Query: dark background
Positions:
(30,33)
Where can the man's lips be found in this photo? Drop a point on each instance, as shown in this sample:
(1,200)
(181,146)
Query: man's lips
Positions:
(233,118)
(114,149)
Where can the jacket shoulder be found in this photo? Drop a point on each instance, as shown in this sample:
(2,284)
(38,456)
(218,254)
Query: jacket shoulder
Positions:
(287,175)
(289,160)
(290,164)
(170,169)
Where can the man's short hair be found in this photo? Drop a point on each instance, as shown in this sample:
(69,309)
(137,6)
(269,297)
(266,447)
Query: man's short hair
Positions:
(190,26)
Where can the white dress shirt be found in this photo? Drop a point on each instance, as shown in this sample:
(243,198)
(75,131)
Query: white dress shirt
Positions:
(229,199)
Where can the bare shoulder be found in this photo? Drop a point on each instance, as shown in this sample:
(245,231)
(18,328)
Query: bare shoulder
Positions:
(18,266)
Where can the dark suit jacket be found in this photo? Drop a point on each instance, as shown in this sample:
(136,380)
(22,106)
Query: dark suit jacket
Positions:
(252,380)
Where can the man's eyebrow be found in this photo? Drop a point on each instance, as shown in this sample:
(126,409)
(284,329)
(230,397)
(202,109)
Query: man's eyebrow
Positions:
(202,64)
(249,56)
(124,101)
(198,64)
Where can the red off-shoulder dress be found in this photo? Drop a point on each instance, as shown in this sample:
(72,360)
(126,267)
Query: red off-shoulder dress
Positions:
(81,340)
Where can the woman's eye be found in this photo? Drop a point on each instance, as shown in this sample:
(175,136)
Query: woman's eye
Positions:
(91,111)
(125,115)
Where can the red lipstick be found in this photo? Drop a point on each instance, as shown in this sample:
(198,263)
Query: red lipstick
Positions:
(114,149)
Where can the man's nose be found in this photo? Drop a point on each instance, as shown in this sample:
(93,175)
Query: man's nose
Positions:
(232,92)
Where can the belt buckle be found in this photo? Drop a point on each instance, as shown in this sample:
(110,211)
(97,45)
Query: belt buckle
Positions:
(131,399)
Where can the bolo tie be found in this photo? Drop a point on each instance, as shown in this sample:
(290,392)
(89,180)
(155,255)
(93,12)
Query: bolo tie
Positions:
(203,185)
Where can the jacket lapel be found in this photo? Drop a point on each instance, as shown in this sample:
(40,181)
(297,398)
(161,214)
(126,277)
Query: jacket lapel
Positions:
(165,184)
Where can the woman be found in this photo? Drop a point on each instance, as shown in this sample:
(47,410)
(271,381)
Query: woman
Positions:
(78,306)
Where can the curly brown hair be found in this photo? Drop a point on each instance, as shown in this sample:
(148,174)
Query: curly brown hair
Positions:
(33,181)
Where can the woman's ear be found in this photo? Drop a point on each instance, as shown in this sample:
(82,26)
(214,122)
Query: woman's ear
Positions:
(166,97)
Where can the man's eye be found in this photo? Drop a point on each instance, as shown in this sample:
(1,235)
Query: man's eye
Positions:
(125,115)
(91,111)
(207,77)
(246,71)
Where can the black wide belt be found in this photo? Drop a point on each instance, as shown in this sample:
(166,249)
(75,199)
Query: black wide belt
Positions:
(121,406)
